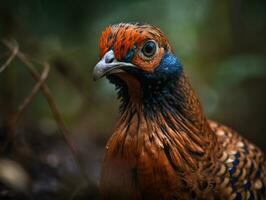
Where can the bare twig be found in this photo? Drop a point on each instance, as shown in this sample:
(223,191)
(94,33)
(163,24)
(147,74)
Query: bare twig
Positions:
(60,122)
(14,52)
(25,104)
(35,89)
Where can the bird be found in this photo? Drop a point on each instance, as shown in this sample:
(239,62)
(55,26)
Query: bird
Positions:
(163,146)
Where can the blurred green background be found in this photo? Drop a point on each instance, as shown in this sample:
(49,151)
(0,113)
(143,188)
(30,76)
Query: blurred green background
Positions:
(222,45)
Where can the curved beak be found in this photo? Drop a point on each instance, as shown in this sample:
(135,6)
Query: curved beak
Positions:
(108,65)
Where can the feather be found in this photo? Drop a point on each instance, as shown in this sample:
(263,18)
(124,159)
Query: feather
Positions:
(163,146)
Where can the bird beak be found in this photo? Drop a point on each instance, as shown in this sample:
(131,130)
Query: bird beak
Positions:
(108,65)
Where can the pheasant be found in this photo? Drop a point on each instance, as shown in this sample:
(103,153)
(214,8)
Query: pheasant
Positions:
(163,146)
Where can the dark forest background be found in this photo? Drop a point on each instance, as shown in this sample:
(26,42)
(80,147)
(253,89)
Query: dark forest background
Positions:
(222,45)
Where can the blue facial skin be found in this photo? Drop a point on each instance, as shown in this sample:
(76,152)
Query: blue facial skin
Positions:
(158,87)
(130,54)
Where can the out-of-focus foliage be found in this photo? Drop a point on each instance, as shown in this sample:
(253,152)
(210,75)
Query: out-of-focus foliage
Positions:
(222,45)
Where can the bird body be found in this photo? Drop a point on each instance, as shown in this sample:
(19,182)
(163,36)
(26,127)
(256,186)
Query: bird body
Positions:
(163,147)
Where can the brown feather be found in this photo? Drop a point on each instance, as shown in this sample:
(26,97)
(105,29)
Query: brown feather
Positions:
(175,155)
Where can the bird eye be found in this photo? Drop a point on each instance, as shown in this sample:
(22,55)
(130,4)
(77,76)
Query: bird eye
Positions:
(149,48)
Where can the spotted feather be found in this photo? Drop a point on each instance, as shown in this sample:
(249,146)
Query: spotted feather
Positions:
(163,147)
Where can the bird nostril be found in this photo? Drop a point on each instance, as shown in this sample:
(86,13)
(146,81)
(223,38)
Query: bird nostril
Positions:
(109,59)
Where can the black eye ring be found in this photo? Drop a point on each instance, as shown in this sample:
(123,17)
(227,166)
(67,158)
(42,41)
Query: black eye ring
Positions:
(149,48)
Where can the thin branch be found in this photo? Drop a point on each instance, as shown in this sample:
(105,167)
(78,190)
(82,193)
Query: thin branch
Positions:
(11,57)
(25,104)
(35,89)
(60,122)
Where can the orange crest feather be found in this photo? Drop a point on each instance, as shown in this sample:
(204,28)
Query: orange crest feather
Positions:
(124,37)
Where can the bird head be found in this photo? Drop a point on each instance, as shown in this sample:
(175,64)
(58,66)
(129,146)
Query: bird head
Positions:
(137,55)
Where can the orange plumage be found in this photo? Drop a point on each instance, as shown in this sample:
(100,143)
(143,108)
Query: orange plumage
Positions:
(163,147)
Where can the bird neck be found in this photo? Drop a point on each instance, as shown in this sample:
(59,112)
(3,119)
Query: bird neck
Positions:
(175,98)
(172,115)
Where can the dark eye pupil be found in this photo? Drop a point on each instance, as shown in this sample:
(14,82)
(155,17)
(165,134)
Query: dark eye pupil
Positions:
(149,49)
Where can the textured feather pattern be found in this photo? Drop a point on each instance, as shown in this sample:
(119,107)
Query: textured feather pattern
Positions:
(163,147)
(241,171)
(168,157)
